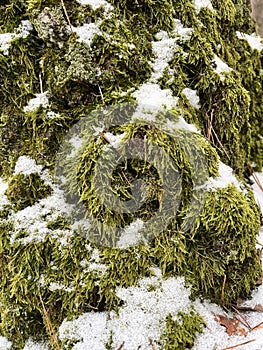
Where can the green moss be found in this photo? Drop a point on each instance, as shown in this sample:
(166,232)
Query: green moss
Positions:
(26,190)
(181,334)
(79,78)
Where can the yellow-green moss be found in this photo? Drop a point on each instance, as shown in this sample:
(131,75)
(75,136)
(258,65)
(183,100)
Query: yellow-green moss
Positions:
(220,246)
(26,190)
(181,334)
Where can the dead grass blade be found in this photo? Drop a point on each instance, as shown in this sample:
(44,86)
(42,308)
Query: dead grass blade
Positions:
(53,337)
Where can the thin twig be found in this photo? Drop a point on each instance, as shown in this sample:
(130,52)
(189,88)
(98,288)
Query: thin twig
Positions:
(243,318)
(260,244)
(220,143)
(235,317)
(101,94)
(53,337)
(223,289)
(66,14)
(209,130)
(235,346)
(255,177)
(41,84)
(260,325)
(121,346)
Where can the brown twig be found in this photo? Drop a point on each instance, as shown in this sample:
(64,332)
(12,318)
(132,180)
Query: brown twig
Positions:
(223,289)
(66,14)
(235,317)
(255,177)
(235,346)
(121,346)
(53,337)
(242,317)
(220,143)
(209,128)
(260,325)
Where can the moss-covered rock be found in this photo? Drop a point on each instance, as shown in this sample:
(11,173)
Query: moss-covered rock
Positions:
(185,82)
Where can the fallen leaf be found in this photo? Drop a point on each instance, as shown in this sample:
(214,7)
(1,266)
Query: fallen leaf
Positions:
(231,324)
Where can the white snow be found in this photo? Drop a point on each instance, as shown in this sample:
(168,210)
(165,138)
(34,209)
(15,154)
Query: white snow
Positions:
(24,29)
(34,103)
(21,31)
(31,345)
(199,4)
(5,40)
(216,337)
(130,235)
(254,40)
(114,139)
(192,97)
(164,47)
(52,115)
(221,67)
(34,219)
(57,286)
(184,33)
(225,178)
(5,344)
(142,316)
(151,97)
(95,4)
(26,166)
(87,32)
(3,198)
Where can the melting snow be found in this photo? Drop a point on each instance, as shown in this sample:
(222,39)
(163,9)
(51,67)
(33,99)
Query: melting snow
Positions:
(199,4)
(221,67)
(40,100)
(95,4)
(22,31)
(192,97)
(254,40)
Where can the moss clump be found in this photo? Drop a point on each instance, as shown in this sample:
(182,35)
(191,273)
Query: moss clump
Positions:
(181,334)
(45,257)
(26,190)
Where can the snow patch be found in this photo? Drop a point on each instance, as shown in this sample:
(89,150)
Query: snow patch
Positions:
(152,96)
(254,40)
(221,67)
(87,32)
(164,47)
(21,31)
(130,236)
(225,178)
(27,166)
(192,97)
(5,344)
(95,4)
(40,100)
(199,4)
(142,316)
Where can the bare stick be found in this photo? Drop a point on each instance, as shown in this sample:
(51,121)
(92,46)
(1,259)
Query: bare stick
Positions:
(235,346)
(66,14)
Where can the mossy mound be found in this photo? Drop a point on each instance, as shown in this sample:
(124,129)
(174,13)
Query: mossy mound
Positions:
(60,63)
